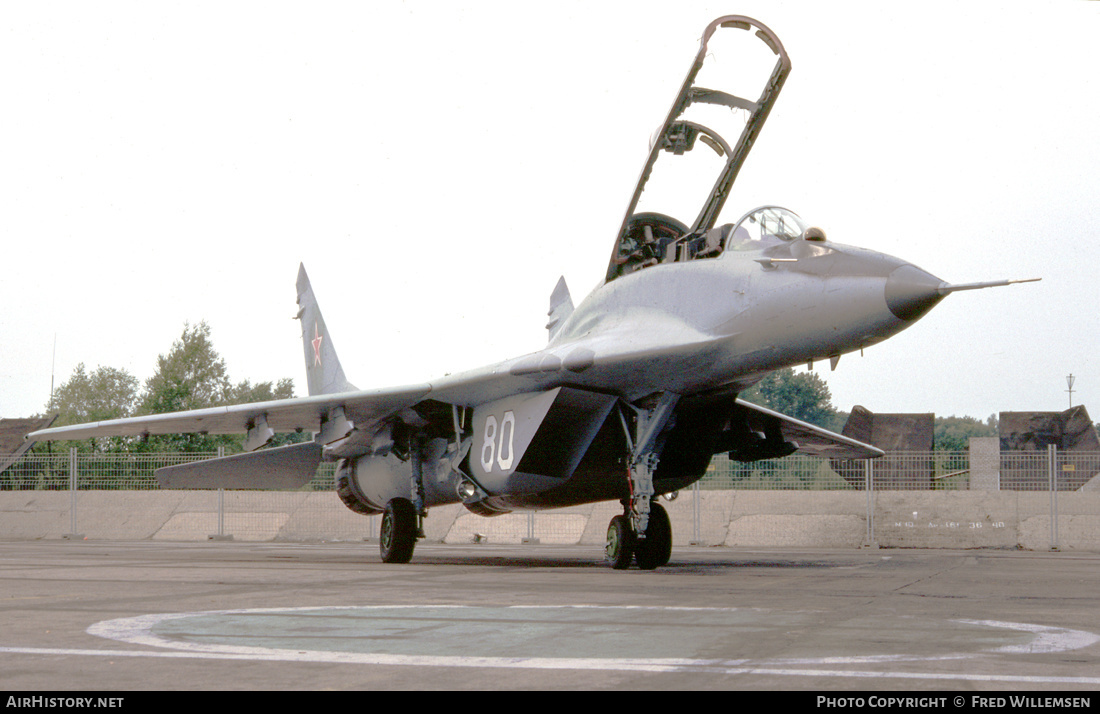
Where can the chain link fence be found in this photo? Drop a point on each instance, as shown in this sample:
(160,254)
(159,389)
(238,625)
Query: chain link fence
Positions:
(112,472)
(1036,500)
(899,470)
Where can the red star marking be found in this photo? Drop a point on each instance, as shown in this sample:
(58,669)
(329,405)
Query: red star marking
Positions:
(316,345)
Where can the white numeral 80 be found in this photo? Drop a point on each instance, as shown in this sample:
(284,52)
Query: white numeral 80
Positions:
(497,443)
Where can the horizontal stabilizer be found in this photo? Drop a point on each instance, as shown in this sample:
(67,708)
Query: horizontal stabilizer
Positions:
(284,467)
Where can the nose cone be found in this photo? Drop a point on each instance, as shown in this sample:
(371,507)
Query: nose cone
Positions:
(911,292)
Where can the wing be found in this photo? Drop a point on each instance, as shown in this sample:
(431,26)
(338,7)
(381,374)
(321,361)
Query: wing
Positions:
(806,438)
(346,422)
(322,413)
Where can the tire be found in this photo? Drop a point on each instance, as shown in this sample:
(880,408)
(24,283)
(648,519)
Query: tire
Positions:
(655,549)
(619,550)
(397,537)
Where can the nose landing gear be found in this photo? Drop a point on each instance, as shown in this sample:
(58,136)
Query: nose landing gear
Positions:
(643,532)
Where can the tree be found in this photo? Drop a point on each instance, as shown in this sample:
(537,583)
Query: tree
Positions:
(192,375)
(953,433)
(803,396)
(247,393)
(106,393)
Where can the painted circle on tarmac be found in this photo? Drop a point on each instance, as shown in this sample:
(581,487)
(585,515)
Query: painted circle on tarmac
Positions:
(580,636)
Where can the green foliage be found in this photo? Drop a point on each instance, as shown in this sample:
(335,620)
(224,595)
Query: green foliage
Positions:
(106,393)
(954,433)
(803,396)
(248,393)
(191,375)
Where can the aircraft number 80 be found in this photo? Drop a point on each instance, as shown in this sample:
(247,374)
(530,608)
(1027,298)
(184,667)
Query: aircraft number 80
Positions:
(497,442)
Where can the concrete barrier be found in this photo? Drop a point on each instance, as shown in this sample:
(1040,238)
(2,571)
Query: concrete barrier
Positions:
(833,519)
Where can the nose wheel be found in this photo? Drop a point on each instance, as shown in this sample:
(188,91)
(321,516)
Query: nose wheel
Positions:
(623,544)
(619,551)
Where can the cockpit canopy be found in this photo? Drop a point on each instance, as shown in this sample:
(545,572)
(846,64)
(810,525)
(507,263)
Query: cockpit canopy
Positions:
(766,226)
(654,238)
(691,167)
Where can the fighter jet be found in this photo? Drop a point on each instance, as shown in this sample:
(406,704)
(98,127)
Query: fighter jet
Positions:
(636,388)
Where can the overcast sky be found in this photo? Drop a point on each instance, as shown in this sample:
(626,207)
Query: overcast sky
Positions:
(437,166)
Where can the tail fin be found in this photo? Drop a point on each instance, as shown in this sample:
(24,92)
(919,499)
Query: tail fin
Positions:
(323,372)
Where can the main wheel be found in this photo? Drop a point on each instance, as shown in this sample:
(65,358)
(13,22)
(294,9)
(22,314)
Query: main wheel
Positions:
(620,543)
(397,537)
(655,549)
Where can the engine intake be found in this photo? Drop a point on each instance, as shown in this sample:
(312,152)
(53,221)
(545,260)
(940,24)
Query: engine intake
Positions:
(347,487)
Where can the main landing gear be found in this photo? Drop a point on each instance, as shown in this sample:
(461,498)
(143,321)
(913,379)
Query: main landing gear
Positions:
(650,552)
(402,521)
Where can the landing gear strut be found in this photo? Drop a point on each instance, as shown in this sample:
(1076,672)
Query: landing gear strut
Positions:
(402,521)
(644,440)
(643,531)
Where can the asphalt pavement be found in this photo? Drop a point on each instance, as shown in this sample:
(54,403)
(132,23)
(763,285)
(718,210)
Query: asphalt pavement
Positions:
(112,616)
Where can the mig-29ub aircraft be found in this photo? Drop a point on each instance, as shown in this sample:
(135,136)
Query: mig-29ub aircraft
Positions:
(637,387)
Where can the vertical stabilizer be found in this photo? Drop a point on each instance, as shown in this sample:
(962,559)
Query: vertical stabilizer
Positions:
(561,307)
(323,372)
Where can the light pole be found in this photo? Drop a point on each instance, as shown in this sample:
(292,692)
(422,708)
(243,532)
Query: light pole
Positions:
(1069,381)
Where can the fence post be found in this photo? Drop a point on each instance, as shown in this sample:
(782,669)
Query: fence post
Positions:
(869,474)
(72,534)
(1052,469)
(695,539)
(530,539)
(221,508)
